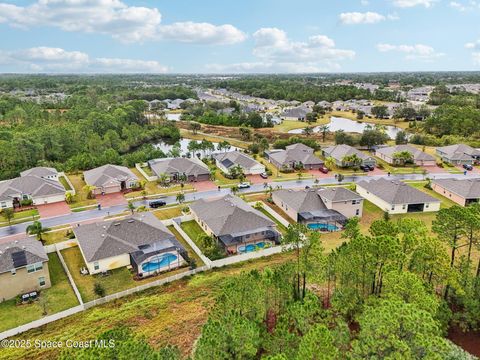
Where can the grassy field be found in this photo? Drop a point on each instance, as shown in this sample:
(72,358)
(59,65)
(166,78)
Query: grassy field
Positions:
(119,279)
(214,138)
(288,125)
(192,254)
(80,198)
(192,229)
(59,297)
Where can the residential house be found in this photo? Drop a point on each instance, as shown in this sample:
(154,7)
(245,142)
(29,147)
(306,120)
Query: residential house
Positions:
(23,268)
(296,155)
(339,152)
(419,157)
(38,185)
(228,160)
(397,197)
(463,191)
(458,154)
(177,168)
(295,114)
(325,209)
(42,172)
(140,241)
(236,225)
(109,179)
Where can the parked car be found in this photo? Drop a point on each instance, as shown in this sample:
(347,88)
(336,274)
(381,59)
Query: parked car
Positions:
(264,175)
(244,185)
(323,169)
(468,167)
(156,203)
(371,167)
(365,168)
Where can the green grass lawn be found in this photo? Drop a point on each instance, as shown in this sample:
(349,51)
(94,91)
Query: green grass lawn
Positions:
(119,279)
(192,229)
(281,228)
(56,236)
(80,199)
(192,254)
(58,297)
(168,212)
(279,211)
(65,183)
(152,188)
(20,216)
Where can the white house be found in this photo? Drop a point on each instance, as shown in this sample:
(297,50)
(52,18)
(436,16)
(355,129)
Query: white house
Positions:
(226,161)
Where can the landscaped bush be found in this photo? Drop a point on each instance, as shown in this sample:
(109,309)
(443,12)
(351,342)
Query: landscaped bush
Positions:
(99,290)
(26,202)
(210,247)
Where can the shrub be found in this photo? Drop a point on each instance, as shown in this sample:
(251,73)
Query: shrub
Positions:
(98,289)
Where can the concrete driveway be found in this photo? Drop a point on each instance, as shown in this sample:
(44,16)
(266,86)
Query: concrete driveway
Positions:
(54,209)
(113,199)
(204,185)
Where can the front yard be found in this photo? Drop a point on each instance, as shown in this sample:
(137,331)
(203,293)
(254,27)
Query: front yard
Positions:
(57,298)
(20,216)
(54,237)
(81,197)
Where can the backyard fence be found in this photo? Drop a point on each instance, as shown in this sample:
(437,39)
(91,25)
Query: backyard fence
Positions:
(272,212)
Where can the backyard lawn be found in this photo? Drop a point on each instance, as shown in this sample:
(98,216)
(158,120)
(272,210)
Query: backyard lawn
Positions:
(65,183)
(192,254)
(281,228)
(279,211)
(57,298)
(80,198)
(118,280)
(192,229)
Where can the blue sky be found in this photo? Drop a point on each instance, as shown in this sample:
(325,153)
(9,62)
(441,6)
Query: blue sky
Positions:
(248,36)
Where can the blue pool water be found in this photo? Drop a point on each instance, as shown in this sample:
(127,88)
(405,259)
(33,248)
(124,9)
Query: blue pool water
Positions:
(323,227)
(251,247)
(159,262)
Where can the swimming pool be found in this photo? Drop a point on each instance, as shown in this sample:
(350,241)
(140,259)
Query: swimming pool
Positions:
(323,227)
(159,262)
(251,247)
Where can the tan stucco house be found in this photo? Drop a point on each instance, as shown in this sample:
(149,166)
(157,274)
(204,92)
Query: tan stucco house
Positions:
(236,225)
(419,157)
(397,197)
(326,209)
(23,268)
(463,191)
(109,179)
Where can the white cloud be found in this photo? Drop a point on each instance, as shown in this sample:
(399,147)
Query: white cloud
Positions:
(275,52)
(201,33)
(48,59)
(475,47)
(412,52)
(116,19)
(413,3)
(464,6)
(364,2)
(353,18)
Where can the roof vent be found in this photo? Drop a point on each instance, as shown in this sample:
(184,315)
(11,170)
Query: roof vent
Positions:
(103,235)
(116,224)
(16,241)
(131,221)
(104,226)
(24,247)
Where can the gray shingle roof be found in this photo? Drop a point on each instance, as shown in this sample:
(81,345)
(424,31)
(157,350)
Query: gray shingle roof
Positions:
(338,152)
(106,174)
(34,252)
(30,185)
(40,171)
(298,112)
(233,158)
(458,152)
(418,155)
(295,153)
(103,240)
(230,215)
(335,194)
(189,167)
(396,192)
(466,188)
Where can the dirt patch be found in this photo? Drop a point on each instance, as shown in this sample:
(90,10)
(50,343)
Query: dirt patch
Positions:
(468,341)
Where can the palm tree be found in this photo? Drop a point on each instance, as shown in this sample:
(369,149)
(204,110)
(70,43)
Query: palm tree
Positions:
(37,229)
(308,130)
(234,189)
(351,160)
(324,129)
(163,179)
(131,207)
(330,162)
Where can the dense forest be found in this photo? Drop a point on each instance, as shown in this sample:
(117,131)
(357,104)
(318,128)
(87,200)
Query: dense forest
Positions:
(96,129)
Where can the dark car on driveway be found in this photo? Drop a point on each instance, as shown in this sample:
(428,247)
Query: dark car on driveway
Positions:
(323,169)
(156,203)
(365,168)
(468,167)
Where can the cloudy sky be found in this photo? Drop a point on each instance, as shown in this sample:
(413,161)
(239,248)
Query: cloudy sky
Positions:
(240,36)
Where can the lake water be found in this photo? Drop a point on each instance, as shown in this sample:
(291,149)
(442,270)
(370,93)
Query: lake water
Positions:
(347,125)
(166,147)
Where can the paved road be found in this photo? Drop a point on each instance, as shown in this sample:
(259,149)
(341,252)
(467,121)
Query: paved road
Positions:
(90,215)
